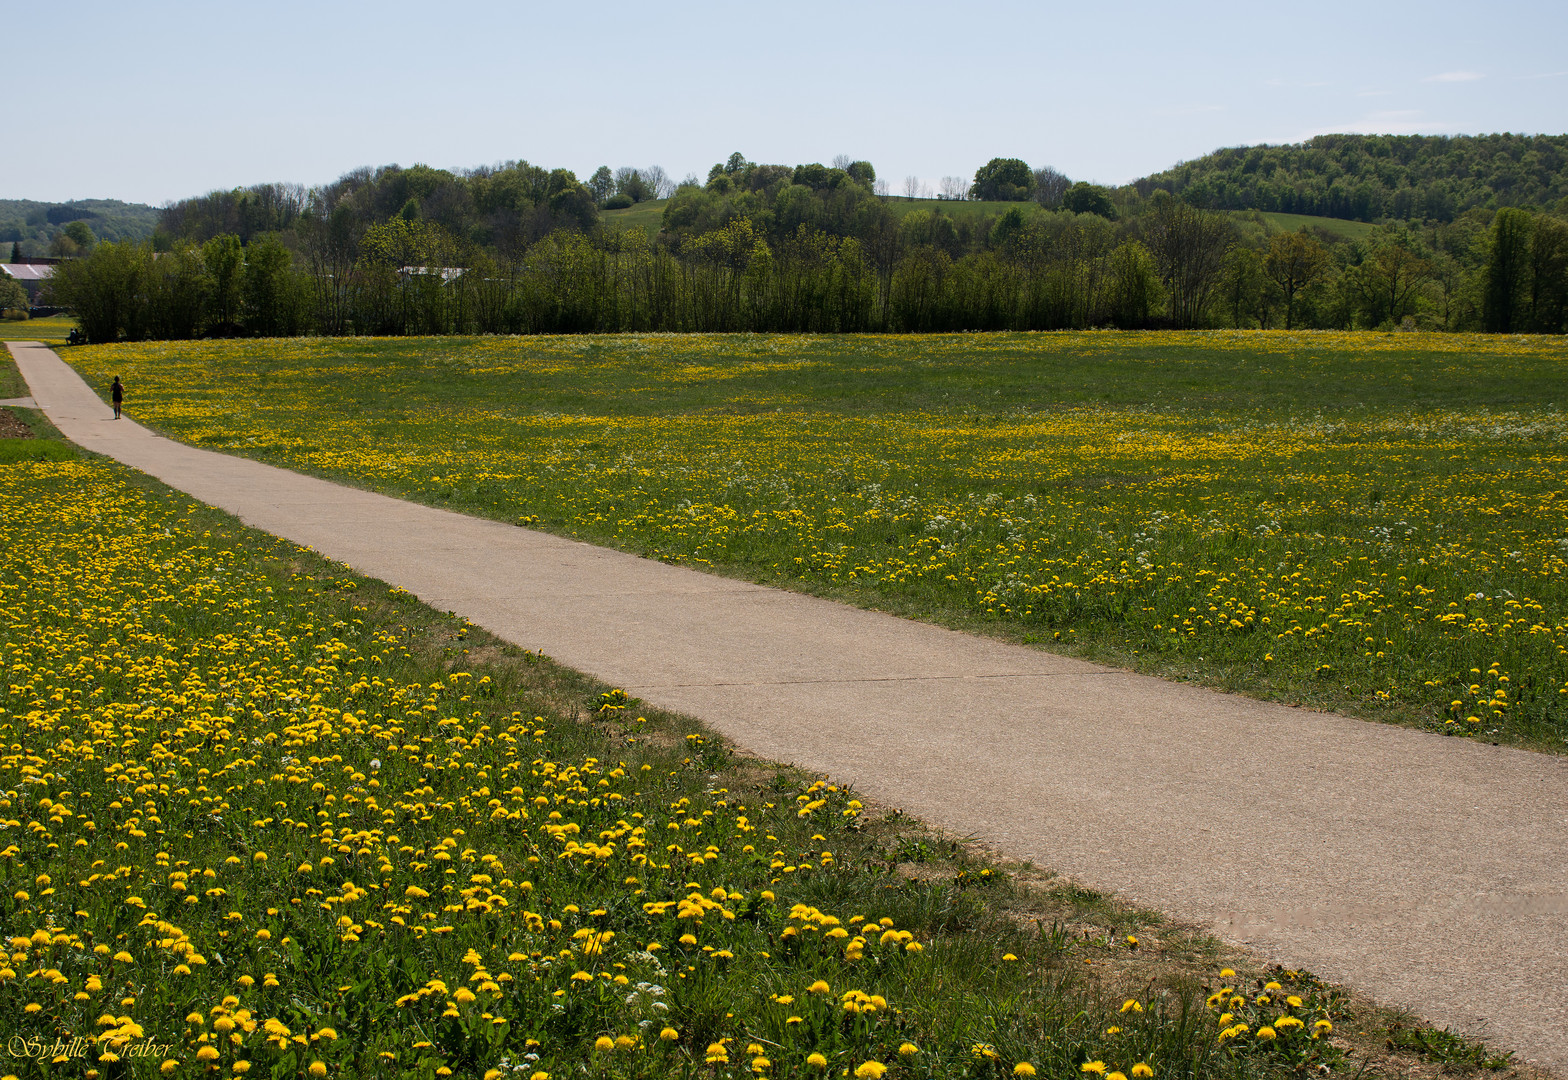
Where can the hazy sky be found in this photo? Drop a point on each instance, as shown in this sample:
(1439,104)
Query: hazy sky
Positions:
(155,101)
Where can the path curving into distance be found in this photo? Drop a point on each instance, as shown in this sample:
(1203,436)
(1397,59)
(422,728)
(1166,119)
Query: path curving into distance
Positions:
(1430,872)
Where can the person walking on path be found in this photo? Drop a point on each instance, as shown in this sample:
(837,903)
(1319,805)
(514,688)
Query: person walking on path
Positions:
(117,392)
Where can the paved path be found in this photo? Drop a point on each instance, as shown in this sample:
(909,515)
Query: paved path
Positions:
(19,402)
(1430,872)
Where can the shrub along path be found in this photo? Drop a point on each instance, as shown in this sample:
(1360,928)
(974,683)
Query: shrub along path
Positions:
(1430,872)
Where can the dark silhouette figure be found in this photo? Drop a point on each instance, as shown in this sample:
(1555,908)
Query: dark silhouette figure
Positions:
(117,393)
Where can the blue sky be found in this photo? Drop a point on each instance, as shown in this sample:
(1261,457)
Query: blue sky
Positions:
(155,101)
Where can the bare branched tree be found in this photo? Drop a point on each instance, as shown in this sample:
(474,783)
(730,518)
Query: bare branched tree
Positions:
(881,187)
(842,161)
(1189,245)
(658,181)
(911,187)
(1049,187)
(954,187)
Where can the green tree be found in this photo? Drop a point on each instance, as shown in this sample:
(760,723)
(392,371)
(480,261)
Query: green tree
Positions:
(224,259)
(102,290)
(602,184)
(1086,198)
(1549,276)
(1389,279)
(174,293)
(272,291)
(1134,286)
(1003,179)
(1009,226)
(1507,272)
(1294,261)
(1243,287)
(16,251)
(575,206)
(13,298)
(82,234)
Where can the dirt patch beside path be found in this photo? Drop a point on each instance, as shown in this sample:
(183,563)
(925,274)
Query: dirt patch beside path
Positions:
(13,426)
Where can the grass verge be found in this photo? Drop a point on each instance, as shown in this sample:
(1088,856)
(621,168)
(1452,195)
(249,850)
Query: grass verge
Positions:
(25,434)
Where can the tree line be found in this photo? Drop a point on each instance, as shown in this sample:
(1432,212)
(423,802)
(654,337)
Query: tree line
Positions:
(521,249)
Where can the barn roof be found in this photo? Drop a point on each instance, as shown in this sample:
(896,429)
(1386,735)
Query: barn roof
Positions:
(27,271)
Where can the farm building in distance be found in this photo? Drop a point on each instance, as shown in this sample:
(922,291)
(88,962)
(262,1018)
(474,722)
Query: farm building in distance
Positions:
(32,273)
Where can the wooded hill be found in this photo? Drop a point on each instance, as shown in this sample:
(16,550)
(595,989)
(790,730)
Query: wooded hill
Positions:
(34,227)
(1377,177)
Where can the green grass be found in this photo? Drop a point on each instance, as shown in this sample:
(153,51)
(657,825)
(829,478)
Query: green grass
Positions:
(11,383)
(1361,522)
(957,209)
(267,797)
(1345,230)
(51,330)
(15,450)
(645,215)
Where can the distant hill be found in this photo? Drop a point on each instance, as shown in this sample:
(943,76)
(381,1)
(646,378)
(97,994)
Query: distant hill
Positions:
(1372,177)
(35,224)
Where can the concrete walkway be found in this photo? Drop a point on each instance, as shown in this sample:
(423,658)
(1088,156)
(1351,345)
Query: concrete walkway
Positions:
(1430,872)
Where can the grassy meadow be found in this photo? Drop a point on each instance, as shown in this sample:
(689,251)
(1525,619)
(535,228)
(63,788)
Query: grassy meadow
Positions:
(648,216)
(1372,523)
(1340,227)
(262,816)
